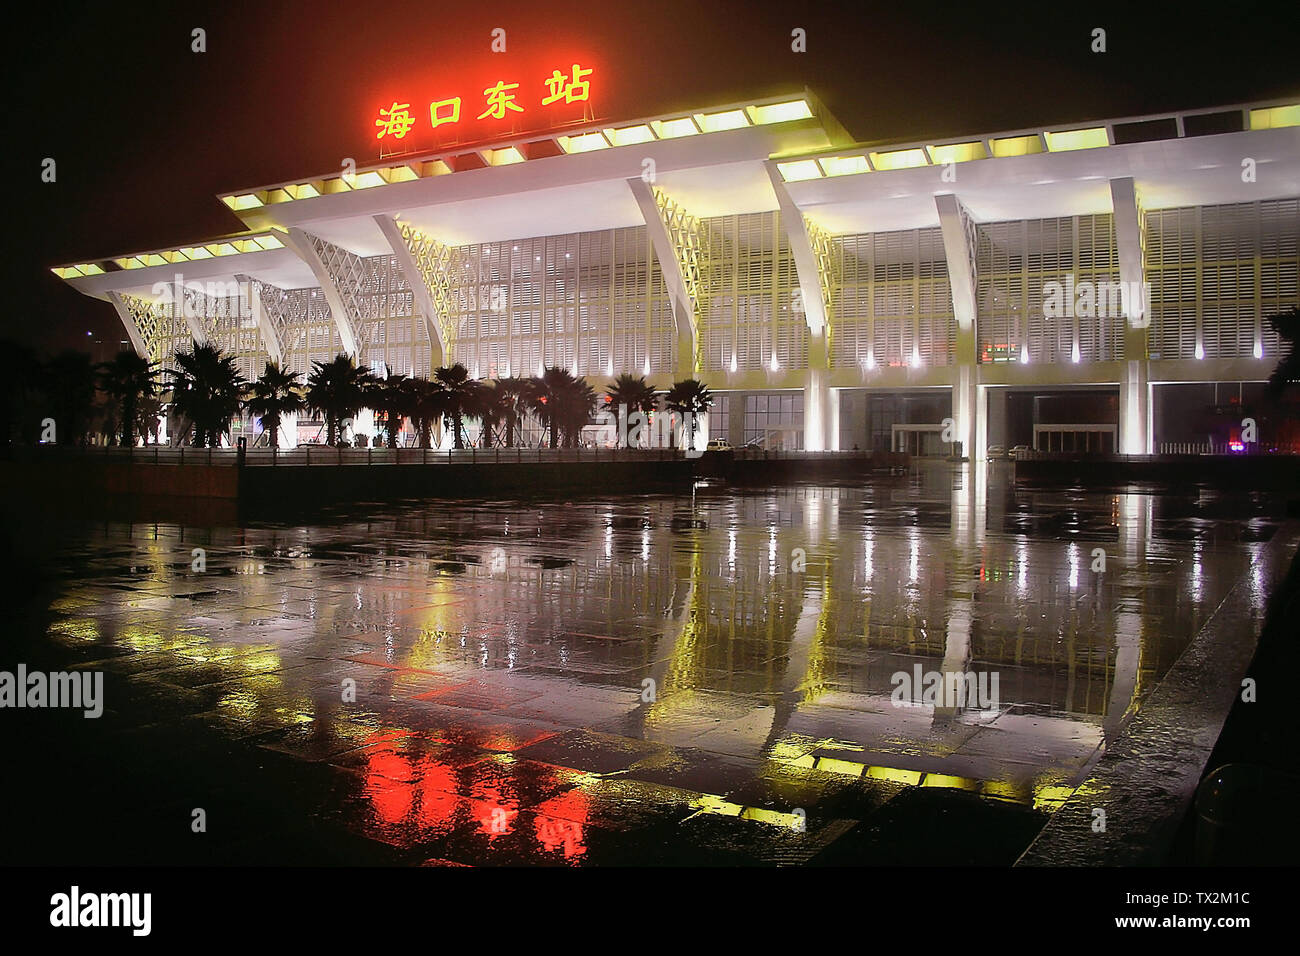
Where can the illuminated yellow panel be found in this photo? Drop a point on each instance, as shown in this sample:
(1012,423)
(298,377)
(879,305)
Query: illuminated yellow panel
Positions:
(66,272)
(670,129)
(1077,139)
(716,122)
(174,255)
(793,821)
(949,782)
(799,170)
(196,252)
(1016,146)
(269,242)
(503,157)
(957,152)
(245,245)
(900,159)
(435,167)
(221,249)
(1275,117)
(400,174)
(130,262)
(246,201)
(584,143)
(844,165)
(1050,797)
(909,777)
(629,135)
(1005,790)
(846,767)
(708,803)
(152,259)
(367,180)
(90,269)
(779,112)
(336,184)
(302,191)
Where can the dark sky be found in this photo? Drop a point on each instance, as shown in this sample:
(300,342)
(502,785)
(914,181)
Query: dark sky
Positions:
(146,133)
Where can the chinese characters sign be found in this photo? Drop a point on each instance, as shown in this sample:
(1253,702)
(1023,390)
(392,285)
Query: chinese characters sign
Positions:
(503,99)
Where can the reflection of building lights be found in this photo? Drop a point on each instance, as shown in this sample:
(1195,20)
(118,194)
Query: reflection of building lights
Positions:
(775,365)
(1200,350)
(1074,565)
(645,544)
(1259,350)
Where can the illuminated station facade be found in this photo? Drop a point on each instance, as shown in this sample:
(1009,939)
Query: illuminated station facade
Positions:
(1072,287)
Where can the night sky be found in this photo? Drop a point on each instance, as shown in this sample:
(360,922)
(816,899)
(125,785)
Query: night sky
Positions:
(146,132)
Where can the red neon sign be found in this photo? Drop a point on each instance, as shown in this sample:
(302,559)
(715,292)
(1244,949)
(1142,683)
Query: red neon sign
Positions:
(463,114)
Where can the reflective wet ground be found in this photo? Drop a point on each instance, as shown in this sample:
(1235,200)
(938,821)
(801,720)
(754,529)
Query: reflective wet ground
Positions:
(615,679)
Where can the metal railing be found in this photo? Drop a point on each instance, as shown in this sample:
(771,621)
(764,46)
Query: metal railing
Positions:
(305,455)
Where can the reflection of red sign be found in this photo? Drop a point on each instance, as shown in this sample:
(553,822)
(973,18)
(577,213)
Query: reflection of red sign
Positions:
(398,119)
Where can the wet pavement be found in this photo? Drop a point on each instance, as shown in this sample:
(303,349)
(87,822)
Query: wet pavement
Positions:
(618,679)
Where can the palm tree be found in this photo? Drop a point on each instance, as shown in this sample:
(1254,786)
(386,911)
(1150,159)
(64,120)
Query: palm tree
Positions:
(338,390)
(576,406)
(148,418)
(69,381)
(548,399)
(464,398)
(126,379)
(426,403)
(511,402)
(206,389)
(276,393)
(630,392)
(690,398)
(391,398)
(1287,325)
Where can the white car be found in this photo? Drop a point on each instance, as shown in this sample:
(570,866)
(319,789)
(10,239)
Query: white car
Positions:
(718,444)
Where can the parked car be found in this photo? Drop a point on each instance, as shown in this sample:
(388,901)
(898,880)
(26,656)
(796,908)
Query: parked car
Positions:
(997,451)
(1016,450)
(718,444)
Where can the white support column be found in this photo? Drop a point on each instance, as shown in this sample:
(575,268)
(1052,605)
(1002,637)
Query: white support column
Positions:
(266,329)
(128,322)
(670,264)
(819,413)
(304,246)
(1134,391)
(959,239)
(423,295)
(181,301)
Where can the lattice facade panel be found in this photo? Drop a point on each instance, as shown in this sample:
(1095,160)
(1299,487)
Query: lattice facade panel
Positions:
(1217,273)
(1017,264)
(594,302)
(893,302)
(749,304)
